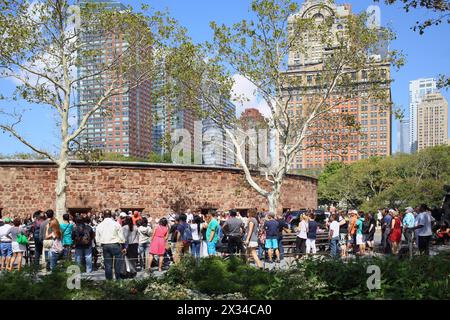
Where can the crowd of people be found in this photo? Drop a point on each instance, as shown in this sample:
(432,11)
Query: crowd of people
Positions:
(131,241)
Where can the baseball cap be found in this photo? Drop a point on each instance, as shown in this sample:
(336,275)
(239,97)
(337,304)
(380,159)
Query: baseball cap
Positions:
(409,210)
(7,220)
(122,214)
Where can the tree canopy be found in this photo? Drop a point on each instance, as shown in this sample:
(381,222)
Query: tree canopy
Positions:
(399,181)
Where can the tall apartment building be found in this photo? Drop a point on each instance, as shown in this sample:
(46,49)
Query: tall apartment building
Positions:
(123,125)
(216,146)
(417,90)
(257,152)
(432,121)
(339,143)
(403,145)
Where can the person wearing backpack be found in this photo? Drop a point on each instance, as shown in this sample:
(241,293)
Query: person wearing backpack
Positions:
(82,235)
(183,238)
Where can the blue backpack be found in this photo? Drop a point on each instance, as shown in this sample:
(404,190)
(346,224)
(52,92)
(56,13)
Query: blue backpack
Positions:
(186,237)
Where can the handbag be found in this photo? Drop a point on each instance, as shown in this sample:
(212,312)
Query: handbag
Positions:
(48,244)
(22,239)
(57,246)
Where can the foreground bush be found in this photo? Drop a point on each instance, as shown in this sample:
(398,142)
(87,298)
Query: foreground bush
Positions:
(215,278)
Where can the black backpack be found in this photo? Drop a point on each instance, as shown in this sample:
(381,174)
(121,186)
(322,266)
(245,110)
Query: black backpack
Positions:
(366,227)
(84,236)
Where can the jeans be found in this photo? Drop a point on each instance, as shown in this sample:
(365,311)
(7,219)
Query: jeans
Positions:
(334,247)
(195,248)
(112,253)
(53,258)
(235,245)
(409,236)
(424,245)
(143,251)
(281,248)
(385,242)
(86,254)
(38,247)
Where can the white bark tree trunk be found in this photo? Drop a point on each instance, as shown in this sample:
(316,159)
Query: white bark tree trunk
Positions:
(61,184)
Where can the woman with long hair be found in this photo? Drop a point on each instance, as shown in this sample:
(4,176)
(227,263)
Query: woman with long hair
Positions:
(395,237)
(17,248)
(302,234)
(131,235)
(158,243)
(54,233)
(251,237)
(195,226)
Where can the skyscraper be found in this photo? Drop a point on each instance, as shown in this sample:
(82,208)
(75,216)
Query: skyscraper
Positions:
(216,146)
(123,125)
(432,121)
(417,90)
(338,142)
(403,144)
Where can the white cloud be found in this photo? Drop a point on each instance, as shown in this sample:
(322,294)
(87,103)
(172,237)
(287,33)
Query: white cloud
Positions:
(243,87)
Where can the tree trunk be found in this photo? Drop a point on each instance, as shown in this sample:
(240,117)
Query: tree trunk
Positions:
(273,198)
(61,182)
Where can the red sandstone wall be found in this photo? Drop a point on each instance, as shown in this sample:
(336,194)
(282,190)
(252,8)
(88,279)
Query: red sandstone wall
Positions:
(27,187)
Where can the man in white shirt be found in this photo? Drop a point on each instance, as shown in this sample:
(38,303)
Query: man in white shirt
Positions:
(423,224)
(109,235)
(333,236)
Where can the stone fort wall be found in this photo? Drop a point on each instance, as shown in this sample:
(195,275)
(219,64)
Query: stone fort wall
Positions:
(28,185)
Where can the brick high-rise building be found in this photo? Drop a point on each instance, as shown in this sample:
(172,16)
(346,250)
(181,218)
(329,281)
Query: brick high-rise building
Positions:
(124,124)
(338,142)
(432,121)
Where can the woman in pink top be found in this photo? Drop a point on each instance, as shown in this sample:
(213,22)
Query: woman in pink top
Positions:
(158,243)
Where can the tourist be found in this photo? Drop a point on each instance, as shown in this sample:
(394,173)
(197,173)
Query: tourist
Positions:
(359,234)
(66,230)
(158,243)
(183,238)
(386,225)
(17,234)
(131,246)
(261,235)
(195,226)
(233,229)
(109,235)
(352,229)
(212,232)
(83,235)
(46,242)
(442,234)
(302,234)
(145,232)
(282,227)
(136,217)
(334,236)
(395,237)
(424,231)
(251,237)
(343,232)
(311,235)
(271,227)
(38,218)
(5,243)
(408,229)
(53,232)
(370,234)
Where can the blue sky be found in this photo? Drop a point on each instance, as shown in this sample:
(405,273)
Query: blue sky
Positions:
(427,55)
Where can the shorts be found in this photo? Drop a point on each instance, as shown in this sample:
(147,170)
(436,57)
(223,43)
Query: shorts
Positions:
(6,249)
(343,239)
(271,244)
(211,248)
(16,247)
(253,244)
(359,239)
(368,237)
